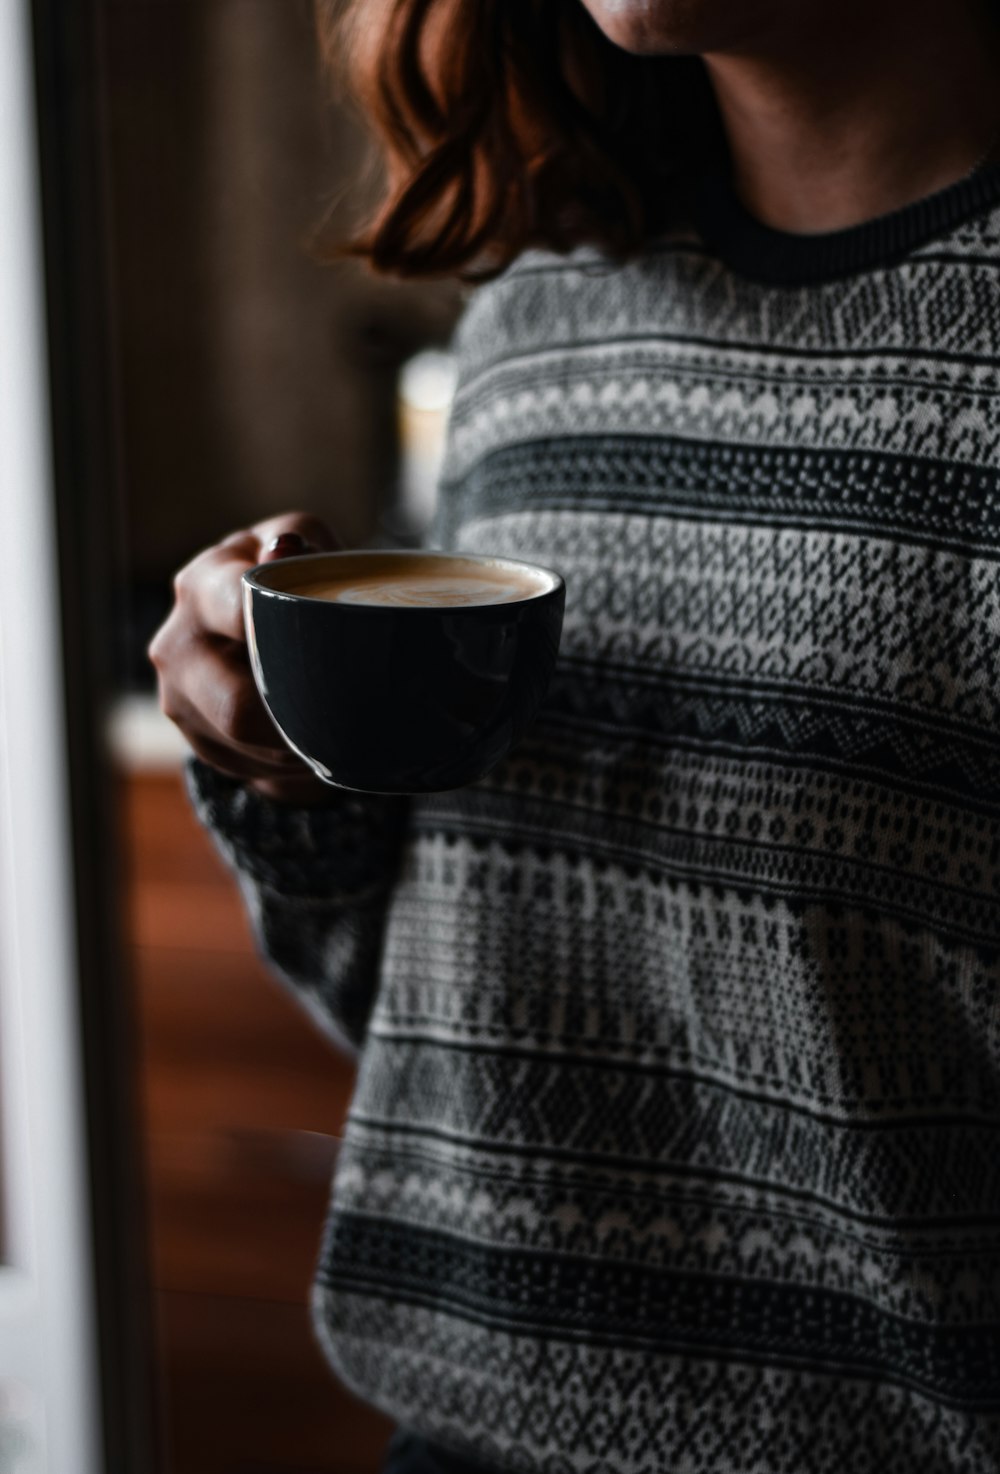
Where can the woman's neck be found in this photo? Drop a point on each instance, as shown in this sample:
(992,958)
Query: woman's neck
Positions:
(839,121)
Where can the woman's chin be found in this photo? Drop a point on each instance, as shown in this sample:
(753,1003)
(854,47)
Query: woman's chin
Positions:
(673,27)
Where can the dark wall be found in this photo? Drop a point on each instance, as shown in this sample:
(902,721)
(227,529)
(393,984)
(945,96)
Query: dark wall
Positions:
(250,378)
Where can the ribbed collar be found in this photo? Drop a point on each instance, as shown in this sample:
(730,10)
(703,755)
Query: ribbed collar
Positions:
(780,257)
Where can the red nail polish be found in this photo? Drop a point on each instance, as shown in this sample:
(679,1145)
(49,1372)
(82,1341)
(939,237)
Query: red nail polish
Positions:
(286,545)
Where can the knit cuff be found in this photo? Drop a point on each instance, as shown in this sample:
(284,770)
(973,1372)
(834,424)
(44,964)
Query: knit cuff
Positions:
(340,850)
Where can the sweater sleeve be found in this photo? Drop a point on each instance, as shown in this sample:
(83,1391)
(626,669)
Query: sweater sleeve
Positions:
(316,882)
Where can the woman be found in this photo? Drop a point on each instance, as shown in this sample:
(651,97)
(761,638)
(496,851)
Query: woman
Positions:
(676,1139)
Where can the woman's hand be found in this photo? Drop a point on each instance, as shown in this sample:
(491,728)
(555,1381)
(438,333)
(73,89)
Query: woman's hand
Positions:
(201,658)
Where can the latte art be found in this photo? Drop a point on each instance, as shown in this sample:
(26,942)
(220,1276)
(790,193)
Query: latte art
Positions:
(436,593)
(424,583)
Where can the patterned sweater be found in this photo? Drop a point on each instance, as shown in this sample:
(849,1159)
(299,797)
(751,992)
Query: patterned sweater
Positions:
(675,1145)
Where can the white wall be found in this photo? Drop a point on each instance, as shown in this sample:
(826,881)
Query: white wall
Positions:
(48,1372)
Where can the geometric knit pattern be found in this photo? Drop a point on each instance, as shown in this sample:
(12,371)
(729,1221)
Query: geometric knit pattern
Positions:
(675,1144)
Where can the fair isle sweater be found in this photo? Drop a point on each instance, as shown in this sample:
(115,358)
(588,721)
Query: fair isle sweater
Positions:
(675,1143)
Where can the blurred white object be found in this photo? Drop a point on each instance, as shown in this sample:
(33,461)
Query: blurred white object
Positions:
(20,1431)
(48,1342)
(141,739)
(426,390)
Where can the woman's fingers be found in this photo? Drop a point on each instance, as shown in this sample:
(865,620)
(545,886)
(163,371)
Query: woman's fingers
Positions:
(209,592)
(219,684)
(211,691)
(313,532)
(200,654)
(235,764)
(209,589)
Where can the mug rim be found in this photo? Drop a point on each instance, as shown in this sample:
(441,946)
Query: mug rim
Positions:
(253,580)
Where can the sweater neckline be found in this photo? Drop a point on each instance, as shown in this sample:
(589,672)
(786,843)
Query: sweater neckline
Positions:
(785,258)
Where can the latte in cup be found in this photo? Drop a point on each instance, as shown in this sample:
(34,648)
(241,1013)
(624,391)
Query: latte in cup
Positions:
(424,582)
(402,671)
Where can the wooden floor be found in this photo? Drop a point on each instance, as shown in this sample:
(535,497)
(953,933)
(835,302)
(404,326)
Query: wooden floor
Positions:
(243,1103)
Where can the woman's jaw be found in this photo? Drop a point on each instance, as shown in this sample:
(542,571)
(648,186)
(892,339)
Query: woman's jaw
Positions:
(684,27)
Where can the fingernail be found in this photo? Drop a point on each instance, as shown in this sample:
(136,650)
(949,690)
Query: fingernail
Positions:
(287,544)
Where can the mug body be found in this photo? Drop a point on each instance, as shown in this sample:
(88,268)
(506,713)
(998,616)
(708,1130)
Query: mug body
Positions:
(390,699)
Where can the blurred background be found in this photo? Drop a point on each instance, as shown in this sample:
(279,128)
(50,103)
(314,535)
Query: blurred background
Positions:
(249,379)
(198,369)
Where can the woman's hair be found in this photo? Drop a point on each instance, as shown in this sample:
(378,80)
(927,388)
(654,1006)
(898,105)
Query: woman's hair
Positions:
(512,123)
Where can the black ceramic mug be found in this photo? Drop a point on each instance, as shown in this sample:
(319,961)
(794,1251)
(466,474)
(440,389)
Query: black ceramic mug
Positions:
(400,698)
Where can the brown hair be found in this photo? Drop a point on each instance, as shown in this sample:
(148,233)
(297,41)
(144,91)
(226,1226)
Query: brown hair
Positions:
(511,123)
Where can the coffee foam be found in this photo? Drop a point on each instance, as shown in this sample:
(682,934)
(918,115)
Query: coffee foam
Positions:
(438,584)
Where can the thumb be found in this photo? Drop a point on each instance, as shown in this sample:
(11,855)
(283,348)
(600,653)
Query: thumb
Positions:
(292,534)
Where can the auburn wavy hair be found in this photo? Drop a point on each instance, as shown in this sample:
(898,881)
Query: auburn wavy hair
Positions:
(510,123)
